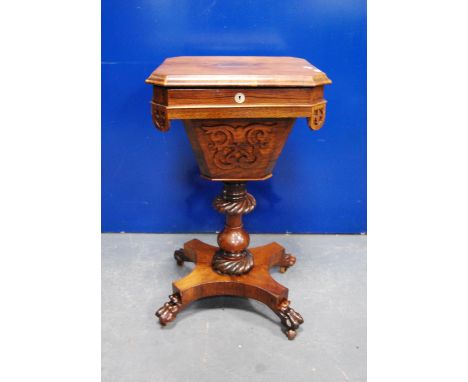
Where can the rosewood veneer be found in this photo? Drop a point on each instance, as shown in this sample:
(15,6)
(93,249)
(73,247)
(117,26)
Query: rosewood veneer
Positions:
(237,113)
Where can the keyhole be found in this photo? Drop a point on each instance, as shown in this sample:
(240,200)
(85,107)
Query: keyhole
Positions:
(239,97)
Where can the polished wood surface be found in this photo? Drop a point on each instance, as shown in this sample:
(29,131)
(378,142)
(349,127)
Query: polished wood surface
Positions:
(233,256)
(258,284)
(237,113)
(237,149)
(190,104)
(237,71)
(253,97)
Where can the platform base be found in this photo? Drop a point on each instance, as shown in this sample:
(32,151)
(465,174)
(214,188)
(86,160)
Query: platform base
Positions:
(258,284)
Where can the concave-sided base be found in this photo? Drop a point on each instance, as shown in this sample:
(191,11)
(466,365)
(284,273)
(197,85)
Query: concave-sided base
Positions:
(258,284)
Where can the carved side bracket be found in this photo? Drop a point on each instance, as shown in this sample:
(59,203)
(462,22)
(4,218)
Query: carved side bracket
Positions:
(159,115)
(317,119)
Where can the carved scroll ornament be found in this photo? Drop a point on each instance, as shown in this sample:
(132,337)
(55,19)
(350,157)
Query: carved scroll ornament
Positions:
(240,145)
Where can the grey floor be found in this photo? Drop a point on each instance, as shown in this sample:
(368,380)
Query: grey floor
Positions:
(233,339)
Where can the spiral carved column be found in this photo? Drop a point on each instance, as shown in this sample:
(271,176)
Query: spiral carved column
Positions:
(233,257)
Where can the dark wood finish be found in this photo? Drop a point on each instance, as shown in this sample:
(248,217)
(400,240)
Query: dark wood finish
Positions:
(237,149)
(237,113)
(258,284)
(233,257)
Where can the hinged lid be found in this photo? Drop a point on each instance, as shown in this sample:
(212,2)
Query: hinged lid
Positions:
(213,71)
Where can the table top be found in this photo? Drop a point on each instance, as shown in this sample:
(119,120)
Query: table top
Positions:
(232,71)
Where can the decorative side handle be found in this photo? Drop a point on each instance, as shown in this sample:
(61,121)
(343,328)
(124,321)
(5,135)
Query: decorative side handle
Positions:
(317,119)
(159,116)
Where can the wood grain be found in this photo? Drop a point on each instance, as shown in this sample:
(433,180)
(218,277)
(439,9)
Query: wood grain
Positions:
(237,71)
(277,111)
(237,113)
(190,104)
(258,284)
(237,149)
(262,96)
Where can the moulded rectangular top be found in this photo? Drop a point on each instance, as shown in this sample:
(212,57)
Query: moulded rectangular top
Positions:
(222,71)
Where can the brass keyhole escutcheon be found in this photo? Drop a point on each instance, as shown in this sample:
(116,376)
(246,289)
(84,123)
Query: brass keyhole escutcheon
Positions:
(239,97)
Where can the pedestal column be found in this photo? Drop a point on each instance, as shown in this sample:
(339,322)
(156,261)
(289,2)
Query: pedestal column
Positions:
(233,256)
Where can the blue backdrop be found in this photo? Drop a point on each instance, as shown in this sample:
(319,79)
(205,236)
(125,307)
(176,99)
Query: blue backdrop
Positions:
(150,180)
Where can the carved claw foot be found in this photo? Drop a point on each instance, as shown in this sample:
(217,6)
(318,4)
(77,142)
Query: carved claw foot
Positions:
(179,256)
(286,262)
(169,310)
(289,318)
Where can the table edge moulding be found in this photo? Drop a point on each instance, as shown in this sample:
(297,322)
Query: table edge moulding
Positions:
(237,113)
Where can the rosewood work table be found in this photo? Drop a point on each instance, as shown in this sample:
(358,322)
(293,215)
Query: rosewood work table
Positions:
(237,113)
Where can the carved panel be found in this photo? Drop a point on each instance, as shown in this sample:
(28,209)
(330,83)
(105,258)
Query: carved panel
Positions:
(238,145)
(237,149)
(318,116)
